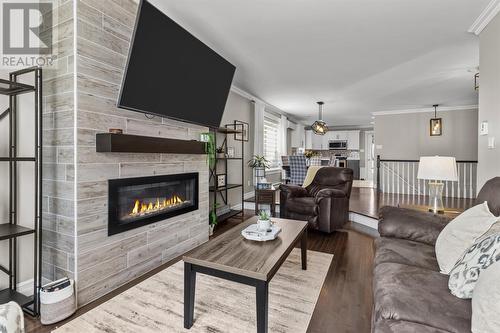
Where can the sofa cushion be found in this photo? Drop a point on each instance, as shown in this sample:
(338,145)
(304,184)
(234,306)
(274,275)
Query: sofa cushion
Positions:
(401,251)
(399,326)
(461,233)
(475,261)
(302,205)
(486,301)
(418,295)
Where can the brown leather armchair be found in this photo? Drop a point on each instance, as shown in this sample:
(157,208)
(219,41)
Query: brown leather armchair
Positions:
(324,203)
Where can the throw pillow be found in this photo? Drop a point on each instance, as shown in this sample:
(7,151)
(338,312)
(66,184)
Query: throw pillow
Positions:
(461,233)
(466,273)
(486,301)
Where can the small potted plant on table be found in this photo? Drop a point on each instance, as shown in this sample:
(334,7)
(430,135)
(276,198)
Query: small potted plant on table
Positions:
(264,221)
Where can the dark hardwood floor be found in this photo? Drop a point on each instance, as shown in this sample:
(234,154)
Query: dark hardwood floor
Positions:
(345,301)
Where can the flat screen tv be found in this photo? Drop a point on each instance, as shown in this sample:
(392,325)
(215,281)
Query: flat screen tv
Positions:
(170,73)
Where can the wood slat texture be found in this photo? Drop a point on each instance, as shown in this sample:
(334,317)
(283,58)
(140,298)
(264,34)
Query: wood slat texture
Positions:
(126,143)
(234,254)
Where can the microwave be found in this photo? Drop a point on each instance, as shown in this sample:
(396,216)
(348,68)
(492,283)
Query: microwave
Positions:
(337,144)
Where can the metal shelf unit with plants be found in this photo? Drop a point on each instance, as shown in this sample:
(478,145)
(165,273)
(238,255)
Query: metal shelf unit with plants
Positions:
(218,165)
(12,230)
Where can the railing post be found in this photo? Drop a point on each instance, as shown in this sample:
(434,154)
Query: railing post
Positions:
(378,173)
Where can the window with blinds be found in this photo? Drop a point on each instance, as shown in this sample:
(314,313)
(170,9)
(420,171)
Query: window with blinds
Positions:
(271,139)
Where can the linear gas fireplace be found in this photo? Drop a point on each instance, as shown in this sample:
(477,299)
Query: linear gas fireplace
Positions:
(135,202)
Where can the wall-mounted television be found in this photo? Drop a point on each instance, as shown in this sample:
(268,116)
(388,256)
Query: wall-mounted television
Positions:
(171,73)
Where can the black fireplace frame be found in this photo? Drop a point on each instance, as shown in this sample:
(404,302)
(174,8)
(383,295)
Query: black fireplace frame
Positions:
(115,227)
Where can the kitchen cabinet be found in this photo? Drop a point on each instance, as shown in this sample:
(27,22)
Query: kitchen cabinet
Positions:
(317,142)
(308,138)
(353,140)
(339,135)
(298,137)
(354,165)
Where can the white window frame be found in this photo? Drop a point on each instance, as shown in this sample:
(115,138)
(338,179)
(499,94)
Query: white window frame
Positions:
(272,121)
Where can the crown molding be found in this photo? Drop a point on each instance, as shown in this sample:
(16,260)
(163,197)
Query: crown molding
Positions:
(254,99)
(485,17)
(423,110)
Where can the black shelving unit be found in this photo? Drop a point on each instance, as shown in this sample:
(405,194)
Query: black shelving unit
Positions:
(11,230)
(222,163)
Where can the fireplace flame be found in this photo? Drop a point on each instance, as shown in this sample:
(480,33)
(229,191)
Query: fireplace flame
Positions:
(143,208)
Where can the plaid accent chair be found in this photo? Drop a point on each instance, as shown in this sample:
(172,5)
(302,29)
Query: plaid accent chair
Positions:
(315,161)
(298,169)
(285,163)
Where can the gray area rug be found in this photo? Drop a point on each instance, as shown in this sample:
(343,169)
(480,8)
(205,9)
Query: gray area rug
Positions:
(156,304)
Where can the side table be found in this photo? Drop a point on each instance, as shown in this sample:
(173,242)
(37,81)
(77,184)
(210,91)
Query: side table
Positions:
(266,197)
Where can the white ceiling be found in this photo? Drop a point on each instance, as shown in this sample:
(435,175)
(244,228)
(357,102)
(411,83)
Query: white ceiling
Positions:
(359,56)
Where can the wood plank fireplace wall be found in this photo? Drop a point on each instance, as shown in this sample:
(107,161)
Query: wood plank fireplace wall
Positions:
(103,263)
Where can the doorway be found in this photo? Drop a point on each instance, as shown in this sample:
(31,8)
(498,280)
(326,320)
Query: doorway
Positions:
(370,155)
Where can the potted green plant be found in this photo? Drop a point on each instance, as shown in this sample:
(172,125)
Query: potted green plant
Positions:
(220,152)
(264,221)
(311,153)
(259,165)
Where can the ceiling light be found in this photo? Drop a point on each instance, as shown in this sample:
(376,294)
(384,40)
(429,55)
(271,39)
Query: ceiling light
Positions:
(436,125)
(319,127)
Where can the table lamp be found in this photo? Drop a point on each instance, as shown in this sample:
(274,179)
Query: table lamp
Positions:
(437,169)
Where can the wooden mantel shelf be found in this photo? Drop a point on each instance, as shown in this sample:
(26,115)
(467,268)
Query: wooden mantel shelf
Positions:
(126,143)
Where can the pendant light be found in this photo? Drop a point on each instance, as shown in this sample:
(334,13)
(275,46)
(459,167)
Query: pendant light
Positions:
(436,125)
(319,127)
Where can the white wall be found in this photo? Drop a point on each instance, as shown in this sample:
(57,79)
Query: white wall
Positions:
(238,108)
(489,100)
(406,136)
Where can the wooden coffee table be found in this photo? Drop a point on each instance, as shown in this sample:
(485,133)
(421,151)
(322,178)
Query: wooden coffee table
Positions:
(232,257)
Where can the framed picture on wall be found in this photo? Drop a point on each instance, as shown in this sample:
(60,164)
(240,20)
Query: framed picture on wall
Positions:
(241,126)
(436,127)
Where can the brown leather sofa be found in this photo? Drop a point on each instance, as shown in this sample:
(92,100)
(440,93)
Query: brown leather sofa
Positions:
(324,203)
(410,294)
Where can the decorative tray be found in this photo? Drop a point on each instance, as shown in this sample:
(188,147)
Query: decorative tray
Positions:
(252,232)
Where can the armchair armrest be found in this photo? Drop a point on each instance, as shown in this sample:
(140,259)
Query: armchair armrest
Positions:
(293,191)
(329,193)
(411,224)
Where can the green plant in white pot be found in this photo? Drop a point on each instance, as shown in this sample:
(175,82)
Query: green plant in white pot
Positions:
(259,165)
(264,221)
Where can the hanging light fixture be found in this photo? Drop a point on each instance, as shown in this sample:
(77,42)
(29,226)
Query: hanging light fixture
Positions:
(436,126)
(319,127)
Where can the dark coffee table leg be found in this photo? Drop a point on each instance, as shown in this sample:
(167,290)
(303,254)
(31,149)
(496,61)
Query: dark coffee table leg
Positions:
(303,250)
(262,290)
(189,290)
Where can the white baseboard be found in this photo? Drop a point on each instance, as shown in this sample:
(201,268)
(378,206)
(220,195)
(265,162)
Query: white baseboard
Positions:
(364,220)
(25,287)
(249,195)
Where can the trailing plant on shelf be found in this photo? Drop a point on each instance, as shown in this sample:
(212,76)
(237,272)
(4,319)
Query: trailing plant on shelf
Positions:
(212,218)
(210,148)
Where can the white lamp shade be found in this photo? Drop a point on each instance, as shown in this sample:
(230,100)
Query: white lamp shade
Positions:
(437,168)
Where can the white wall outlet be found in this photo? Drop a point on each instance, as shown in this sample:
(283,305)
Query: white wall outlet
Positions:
(379,147)
(491,142)
(249,183)
(483,128)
